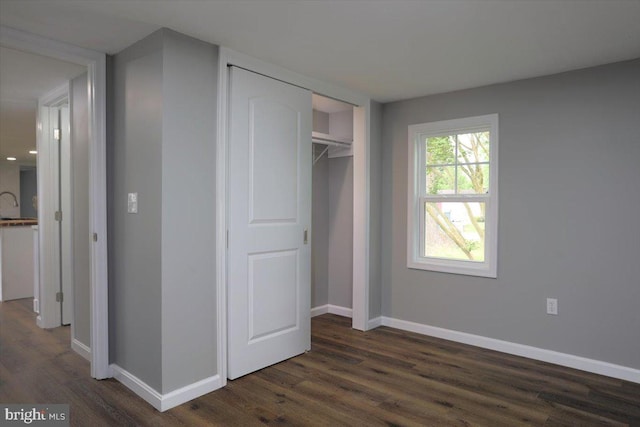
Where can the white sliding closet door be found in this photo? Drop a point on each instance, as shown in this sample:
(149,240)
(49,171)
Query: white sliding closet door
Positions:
(269,254)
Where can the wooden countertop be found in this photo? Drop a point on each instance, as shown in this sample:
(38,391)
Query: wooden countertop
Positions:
(22,222)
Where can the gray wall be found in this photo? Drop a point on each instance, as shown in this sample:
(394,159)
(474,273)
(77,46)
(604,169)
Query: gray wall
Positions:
(188,211)
(162,260)
(320,121)
(9,181)
(320,233)
(375,210)
(28,189)
(332,232)
(80,198)
(135,279)
(569,203)
(332,217)
(340,261)
(341,124)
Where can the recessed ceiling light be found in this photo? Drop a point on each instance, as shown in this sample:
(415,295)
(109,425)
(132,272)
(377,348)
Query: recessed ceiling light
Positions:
(33,152)
(11,159)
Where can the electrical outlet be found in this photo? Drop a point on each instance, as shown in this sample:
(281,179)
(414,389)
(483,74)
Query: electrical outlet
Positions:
(552,306)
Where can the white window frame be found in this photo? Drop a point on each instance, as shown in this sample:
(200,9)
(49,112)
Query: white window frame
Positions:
(417,197)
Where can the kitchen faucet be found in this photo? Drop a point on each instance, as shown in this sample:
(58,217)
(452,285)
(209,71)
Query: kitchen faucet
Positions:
(15,200)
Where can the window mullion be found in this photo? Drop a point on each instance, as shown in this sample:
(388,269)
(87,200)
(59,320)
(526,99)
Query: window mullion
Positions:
(469,198)
(455,168)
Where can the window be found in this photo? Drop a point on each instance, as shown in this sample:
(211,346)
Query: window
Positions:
(453,196)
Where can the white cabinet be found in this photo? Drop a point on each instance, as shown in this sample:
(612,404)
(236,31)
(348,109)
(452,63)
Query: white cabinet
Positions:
(16,262)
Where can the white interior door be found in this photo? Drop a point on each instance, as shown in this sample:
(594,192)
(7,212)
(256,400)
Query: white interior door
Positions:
(269,202)
(66,257)
(61,197)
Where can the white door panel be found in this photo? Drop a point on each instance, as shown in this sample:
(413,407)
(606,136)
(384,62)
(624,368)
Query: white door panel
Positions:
(273,294)
(273,138)
(269,214)
(66,258)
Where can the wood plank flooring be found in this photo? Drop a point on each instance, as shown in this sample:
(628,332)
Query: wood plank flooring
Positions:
(381,377)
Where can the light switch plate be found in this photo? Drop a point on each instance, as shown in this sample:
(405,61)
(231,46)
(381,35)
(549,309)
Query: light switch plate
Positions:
(132,203)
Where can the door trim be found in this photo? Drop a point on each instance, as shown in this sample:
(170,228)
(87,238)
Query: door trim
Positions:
(96,71)
(361,180)
(48,194)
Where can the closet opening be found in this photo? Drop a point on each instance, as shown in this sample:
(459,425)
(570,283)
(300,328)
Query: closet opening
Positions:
(332,207)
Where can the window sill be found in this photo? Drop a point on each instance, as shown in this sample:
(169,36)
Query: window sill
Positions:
(456,267)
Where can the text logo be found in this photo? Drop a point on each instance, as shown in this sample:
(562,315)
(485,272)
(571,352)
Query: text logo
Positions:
(36,415)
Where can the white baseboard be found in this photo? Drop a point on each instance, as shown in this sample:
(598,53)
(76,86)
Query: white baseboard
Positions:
(81,349)
(163,402)
(374,323)
(137,386)
(332,309)
(340,311)
(190,392)
(319,310)
(563,359)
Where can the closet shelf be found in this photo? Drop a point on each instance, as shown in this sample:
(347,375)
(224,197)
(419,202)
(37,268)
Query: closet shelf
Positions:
(326,139)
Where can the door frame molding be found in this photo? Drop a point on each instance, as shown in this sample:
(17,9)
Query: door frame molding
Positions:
(96,73)
(48,194)
(361,187)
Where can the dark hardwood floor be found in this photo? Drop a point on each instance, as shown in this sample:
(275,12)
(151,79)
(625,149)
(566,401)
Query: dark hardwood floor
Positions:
(381,377)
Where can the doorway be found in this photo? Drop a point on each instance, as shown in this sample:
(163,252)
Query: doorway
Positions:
(360,274)
(95,65)
(270,222)
(332,207)
(63,139)
(55,300)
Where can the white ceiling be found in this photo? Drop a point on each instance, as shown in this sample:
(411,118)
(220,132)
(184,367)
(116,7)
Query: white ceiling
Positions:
(388,49)
(24,78)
